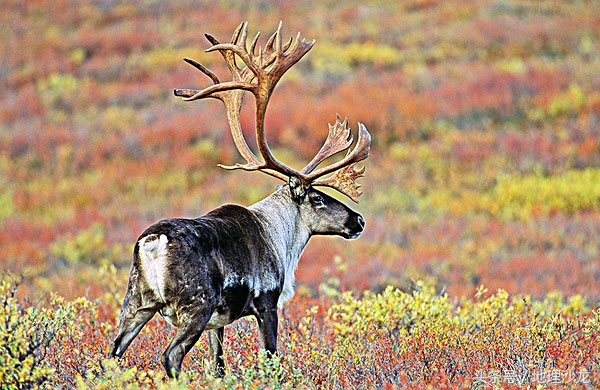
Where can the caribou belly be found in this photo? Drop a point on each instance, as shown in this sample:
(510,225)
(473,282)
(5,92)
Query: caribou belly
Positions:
(233,303)
(219,320)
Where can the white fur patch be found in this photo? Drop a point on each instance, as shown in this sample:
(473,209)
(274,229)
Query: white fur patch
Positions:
(232,279)
(153,254)
(288,283)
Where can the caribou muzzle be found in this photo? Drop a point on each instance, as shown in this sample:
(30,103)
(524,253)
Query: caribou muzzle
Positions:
(354,227)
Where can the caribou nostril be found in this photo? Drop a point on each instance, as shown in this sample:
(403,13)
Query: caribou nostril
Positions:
(361,222)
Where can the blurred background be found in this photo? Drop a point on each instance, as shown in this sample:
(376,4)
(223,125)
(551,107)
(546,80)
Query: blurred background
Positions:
(485,118)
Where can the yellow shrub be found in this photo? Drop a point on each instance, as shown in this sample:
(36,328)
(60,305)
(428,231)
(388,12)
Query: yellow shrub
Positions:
(25,334)
(517,196)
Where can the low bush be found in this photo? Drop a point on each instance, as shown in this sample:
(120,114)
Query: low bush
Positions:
(389,339)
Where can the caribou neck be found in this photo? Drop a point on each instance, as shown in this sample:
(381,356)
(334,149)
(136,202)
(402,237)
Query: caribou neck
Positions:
(286,234)
(281,219)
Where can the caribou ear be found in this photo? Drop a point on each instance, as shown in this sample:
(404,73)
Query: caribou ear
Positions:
(296,188)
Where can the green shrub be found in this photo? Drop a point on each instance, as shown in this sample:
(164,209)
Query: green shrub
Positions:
(25,335)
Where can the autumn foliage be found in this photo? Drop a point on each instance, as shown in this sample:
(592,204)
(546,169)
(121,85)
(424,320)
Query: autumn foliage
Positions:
(479,265)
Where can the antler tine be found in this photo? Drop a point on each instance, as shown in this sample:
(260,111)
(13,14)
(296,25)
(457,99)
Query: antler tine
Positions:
(269,53)
(241,51)
(270,43)
(238,74)
(238,30)
(203,69)
(277,34)
(253,44)
(244,36)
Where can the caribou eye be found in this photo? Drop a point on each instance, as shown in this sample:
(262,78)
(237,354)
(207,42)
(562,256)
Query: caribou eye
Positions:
(317,199)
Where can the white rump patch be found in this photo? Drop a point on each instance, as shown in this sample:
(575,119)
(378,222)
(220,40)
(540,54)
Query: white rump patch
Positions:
(153,254)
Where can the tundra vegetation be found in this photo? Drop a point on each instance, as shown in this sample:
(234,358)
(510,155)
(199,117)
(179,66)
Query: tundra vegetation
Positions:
(479,262)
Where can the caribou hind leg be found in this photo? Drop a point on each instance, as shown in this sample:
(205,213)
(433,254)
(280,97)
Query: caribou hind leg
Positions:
(186,336)
(216,348)
(132,322)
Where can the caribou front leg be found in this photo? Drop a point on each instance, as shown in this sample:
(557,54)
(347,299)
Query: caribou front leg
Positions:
(267,323)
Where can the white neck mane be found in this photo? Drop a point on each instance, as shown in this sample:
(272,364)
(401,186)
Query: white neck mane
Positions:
(286,233)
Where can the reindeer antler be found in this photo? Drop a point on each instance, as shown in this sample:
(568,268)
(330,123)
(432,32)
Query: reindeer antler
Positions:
(260,76)
(344,179)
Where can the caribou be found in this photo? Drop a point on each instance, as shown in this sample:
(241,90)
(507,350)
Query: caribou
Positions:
(236,261)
